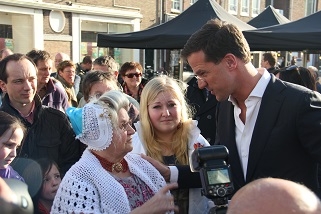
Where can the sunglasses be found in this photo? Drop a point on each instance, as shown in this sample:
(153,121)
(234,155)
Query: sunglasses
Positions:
(132,75)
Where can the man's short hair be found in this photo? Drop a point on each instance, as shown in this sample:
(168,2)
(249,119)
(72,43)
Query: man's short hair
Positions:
(87,59)
(93,77)
(108,61)
(271,57)
(216,39)
(14,57)
(38,55)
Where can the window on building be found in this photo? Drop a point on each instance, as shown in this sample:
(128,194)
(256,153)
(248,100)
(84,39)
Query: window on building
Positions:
(245,4)
(255,7)
(232,8)
(176,5)
(310,7)
(6,36)
(193,1)
(89,32)
(6,31)
(17,30)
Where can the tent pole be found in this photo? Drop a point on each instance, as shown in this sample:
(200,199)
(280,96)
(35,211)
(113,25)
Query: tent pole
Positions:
(181,66)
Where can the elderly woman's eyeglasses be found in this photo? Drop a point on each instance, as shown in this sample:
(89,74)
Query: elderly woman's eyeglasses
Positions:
(132,75)
(126,126)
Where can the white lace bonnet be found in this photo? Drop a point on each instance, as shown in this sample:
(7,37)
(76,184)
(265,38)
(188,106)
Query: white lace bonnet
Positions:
(96,130)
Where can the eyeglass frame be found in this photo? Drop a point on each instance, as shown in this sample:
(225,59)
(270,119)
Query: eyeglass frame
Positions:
(200,78)
(124,126)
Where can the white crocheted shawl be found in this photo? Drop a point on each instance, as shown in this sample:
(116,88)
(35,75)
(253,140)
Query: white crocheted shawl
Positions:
(88,188)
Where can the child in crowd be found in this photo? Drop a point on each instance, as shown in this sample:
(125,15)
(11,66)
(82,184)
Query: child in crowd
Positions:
(51,179)
(11,135)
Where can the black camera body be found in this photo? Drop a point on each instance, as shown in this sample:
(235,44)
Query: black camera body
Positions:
(215,173)
(216,182)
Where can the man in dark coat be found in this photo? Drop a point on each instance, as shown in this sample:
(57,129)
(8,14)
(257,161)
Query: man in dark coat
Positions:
(270,127)
(49,133)
(204,105)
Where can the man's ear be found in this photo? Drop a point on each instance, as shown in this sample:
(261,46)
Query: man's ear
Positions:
(3,86)
(230,60)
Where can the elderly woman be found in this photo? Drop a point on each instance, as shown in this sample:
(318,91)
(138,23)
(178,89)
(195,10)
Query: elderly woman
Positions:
(107,179)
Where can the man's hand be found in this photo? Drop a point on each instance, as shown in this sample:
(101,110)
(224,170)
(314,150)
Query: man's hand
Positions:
(162,168)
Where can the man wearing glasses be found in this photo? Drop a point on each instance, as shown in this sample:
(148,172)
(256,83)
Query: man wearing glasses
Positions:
(271,128)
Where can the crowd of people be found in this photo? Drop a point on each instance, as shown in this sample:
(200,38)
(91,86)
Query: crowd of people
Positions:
(96,137)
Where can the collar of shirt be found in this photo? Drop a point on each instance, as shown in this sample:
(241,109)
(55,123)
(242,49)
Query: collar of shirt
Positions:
(243,132)
(29,116)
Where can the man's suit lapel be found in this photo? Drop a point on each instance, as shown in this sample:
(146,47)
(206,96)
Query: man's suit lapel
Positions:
(267,117)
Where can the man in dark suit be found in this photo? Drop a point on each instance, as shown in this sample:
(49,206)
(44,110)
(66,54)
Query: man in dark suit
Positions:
(269,61)
(204,105)
(270,127)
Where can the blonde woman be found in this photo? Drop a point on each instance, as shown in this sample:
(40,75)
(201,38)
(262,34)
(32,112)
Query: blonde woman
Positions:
(166,133)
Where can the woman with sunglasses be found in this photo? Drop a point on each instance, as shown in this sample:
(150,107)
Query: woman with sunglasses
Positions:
(133,84)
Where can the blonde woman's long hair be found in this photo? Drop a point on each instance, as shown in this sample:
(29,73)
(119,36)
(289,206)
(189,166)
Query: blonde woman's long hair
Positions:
(180,139)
